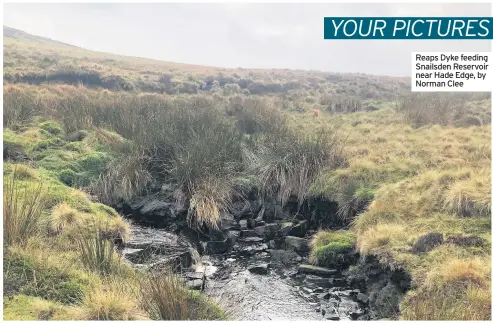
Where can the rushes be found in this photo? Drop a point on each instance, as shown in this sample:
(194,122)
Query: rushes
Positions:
(97,251)
(288,165)
(22,210)
(164,296)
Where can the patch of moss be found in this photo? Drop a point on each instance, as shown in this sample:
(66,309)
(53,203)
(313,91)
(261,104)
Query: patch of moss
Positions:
(52,127)
(55,162)
(332,248)
(23,307)
(75,146)
(34,279)
(68,177)
(333,254)
(48,143)
(94,163)
(13,147)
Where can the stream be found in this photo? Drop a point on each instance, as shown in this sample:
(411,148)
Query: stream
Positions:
(254,280)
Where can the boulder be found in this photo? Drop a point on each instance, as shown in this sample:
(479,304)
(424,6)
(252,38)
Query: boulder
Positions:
(362,298)
(228,222)
(259,269)
(250,223)
(248,233)
(283,256)
(267,231)
(241,210)
(215,247)
(243,224)
(285,228)
(324,282)
(318,271)
(297,244)
(427,242)
(273,212)
(233,236)
(251,250)
(195,284)
(387,300)
(299,230)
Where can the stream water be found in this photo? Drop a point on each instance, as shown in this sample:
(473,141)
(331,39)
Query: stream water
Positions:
(252,281)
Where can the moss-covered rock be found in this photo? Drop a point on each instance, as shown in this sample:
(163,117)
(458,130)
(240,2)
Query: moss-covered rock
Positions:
(332,248)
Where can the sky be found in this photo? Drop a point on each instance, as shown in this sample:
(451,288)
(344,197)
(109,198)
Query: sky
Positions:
(239,35)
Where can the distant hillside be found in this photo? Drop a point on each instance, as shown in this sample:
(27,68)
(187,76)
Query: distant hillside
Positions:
(13,33)
(33,59)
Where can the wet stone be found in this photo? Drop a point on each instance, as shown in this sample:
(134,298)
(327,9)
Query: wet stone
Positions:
(232,236)
(248,233)
(251,240)
(195,284)
(362,298)
(243,224)
(259,269)
(314,270)
(296,244)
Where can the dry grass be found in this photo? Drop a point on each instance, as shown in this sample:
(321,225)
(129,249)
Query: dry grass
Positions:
(64,217)
(433,178)
(109,305)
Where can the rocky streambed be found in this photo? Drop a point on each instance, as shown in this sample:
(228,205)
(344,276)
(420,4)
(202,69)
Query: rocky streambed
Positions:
(252,281)
(255,263)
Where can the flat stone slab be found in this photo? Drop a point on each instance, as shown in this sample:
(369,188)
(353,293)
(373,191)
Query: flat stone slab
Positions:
(259,269)
(315,270)
(251,239)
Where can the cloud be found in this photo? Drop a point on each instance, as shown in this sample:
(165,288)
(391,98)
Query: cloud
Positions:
(238,35)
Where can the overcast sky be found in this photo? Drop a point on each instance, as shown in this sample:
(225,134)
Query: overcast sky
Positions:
(239,35)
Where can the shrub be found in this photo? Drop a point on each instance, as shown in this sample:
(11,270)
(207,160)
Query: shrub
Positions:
(381,237)
(432,108)
(24,172)
(457,289)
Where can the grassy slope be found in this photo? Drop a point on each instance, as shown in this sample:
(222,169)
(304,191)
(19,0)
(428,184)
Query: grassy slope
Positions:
(45,275)
(430,179)
(420,180)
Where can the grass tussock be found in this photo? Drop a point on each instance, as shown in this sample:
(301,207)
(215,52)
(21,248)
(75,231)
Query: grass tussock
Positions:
(165,297)
(109,305)
(22,210)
